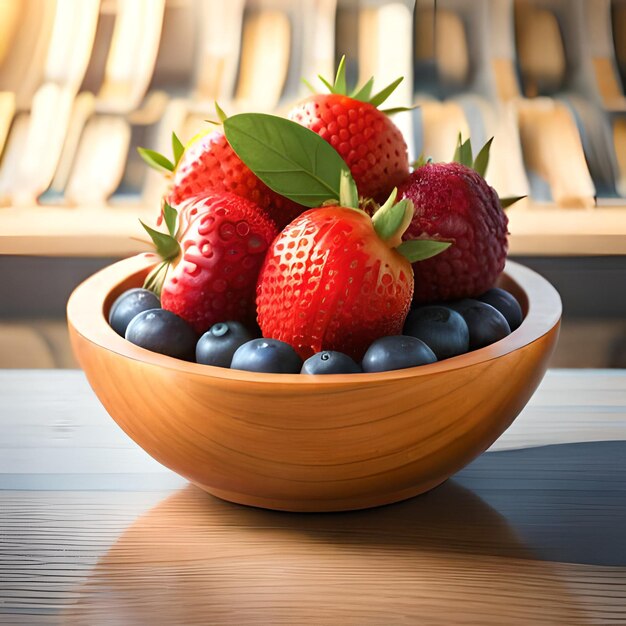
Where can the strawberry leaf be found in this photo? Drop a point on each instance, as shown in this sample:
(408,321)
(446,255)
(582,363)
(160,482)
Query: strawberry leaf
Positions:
(348,194)
(170,215)
(419,162)
(167,247)
(290,159)
(327,84)
(387,220)
(155,279)
(220,113)
(155,160)
(340,77)
(507,202)
(308,85)
(420,249)
(177,148)
(382,95)
(481,162)
(398,110)
(463,152)
(392,219)
(363,94)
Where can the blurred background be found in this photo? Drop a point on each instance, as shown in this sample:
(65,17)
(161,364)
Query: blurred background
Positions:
(84,82)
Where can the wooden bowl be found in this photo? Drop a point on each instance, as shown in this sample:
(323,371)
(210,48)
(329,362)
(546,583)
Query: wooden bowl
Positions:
(312,443)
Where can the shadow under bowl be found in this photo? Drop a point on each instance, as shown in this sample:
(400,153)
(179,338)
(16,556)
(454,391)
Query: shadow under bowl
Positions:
(312,443)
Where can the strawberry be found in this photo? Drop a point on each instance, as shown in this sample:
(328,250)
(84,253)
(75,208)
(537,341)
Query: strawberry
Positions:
(211,259)
(453,202)
(208,163)
(336,279)
(368,141)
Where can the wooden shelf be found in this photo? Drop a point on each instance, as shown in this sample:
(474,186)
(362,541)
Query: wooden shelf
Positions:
(541,230)
(74,232)
(536,230)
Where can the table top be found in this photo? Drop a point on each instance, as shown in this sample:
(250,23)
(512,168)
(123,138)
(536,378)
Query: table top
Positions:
(93,531)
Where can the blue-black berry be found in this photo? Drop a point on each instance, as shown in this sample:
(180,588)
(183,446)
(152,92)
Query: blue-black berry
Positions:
(485,323)
(330,362)
(267,355)
(443,330)
(218,345)
(506,303)
(162,331)
(396,352)
(129,304)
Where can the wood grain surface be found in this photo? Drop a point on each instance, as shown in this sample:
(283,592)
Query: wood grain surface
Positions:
(93,531)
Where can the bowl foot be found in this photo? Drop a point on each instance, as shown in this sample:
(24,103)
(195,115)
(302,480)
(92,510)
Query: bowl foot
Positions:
(321,505)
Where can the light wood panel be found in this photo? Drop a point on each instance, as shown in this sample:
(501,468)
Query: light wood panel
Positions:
(71,41)
(92,531)
(388,62)
(441,124)
(219,30)
(540,49)
(553,149)
(132,55)
(266,42)
(103,149)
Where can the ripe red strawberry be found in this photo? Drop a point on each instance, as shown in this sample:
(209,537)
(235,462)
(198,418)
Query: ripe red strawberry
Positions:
(334,280)
(209,164)
(212,260)
(368,141)
(453,202)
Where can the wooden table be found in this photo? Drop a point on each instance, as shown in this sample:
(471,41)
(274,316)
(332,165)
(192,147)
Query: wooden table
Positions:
(93,531)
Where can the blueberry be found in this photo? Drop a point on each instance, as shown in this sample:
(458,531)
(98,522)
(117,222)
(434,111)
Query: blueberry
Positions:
(164,332)
(486,324)
(129,304)
(330,362)
(218,344)
(443,330)
(267,355)
(396,352)
(506,303)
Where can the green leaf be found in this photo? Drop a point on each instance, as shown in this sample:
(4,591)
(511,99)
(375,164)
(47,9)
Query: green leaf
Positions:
(419,162)
(348,193)
(398,110)
(507,202)
(155,160)
(170,215)
(167,247)
(220,113)
(463,152)
(307,84)
(177,148)
(328,85)
(382,95)
(290,159)
(155,279)
(420,249)
(389,222)
(481,162)
(363,94)
(340,77)
(389,202)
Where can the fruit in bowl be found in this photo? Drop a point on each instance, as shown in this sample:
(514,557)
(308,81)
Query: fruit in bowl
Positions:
(312,443)
(357,387)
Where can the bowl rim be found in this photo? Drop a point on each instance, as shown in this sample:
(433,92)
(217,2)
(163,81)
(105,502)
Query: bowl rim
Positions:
(88,302)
